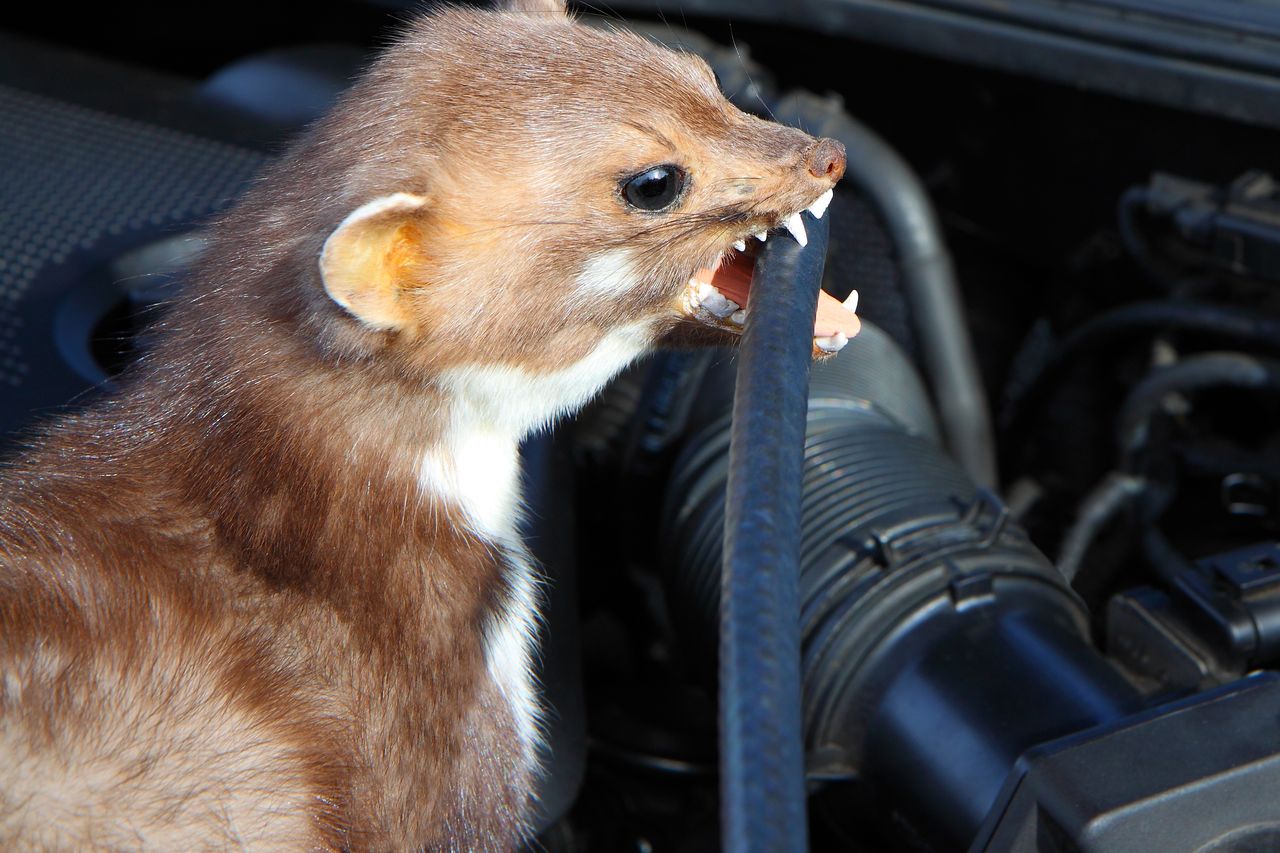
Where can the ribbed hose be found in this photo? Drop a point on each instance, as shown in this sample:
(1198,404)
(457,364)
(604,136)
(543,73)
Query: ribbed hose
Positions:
(862,470)
(913,584)
(868,393)
(893,387)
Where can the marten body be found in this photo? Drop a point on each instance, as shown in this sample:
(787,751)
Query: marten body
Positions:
(270,595)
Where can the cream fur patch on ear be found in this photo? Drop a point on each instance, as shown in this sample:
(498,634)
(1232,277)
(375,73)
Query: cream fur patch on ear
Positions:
(363,263)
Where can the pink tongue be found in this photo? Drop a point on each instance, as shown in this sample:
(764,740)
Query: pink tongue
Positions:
(733,279)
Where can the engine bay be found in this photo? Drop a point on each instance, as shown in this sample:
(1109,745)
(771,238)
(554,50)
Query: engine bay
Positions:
(1040,569)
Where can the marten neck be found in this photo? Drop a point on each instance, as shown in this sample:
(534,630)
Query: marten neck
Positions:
(490,408)
(309,463)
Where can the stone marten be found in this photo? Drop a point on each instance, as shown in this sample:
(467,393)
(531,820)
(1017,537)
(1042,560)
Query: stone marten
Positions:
(269,594)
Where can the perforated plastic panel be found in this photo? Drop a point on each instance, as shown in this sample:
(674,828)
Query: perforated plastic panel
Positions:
(73,180)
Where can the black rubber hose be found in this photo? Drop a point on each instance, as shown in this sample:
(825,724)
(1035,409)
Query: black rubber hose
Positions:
(1099,509)
(1121,489)
(761,739)
(927,276)
(1197,372)
(1129,212)
(1241,327)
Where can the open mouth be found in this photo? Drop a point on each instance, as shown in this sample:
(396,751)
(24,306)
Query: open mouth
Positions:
(721,296)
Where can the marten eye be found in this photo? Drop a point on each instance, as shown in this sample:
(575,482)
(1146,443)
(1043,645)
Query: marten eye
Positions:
(655,189)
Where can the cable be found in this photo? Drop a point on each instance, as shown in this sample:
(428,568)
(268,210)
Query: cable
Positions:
(1133,202)
(1119,488)
(1242,328)
(1197,372)
(1097,510)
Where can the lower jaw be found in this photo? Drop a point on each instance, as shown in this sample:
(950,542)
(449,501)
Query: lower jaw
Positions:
(720,298)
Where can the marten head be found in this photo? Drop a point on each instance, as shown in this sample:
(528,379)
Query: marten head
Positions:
(514,189)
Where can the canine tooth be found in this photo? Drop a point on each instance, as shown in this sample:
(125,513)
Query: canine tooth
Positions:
(831,343)
(738,317)
(740,245)
(796,227)
(851,301)
(762,236)
(705,291)
(819,206)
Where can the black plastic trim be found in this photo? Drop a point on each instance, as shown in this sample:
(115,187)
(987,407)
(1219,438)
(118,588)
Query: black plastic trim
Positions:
(1220,58)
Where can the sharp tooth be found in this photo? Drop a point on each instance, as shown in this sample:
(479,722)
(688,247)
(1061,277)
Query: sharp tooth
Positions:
(762,236)
(851,301)
(796,227)
(831,343)
(819,207)
(705,291)
(740,245)
(738,317)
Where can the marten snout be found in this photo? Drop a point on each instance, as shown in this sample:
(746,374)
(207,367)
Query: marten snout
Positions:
(826,159)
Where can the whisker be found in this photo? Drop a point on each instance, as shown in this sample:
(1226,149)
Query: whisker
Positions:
(603,10)
(733,39)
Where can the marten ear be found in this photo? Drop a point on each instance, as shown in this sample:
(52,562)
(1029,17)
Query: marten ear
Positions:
(555,7)
(364,263)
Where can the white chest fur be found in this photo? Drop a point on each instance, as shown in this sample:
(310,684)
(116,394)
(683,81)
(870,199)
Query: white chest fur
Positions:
(477,468)
(479,471)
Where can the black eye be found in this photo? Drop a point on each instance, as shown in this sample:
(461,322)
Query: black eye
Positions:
(656,189)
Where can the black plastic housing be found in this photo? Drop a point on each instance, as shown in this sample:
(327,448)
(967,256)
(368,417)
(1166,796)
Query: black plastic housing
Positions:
(1198,775)
(1214,620)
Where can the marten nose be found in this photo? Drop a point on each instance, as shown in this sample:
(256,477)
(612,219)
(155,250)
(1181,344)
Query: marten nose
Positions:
(826,159)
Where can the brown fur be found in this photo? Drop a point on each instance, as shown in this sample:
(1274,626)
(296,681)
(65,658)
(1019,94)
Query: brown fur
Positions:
(230,615)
